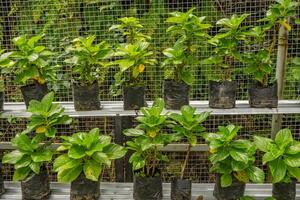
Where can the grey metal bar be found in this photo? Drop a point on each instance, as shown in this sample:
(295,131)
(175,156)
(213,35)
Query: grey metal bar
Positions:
(168,148)
(123,191)
(114,108)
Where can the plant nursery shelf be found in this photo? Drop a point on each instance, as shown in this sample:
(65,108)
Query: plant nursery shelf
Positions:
(115,108)
(123,191)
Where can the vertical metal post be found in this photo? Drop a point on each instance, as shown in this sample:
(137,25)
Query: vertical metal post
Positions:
(280,75)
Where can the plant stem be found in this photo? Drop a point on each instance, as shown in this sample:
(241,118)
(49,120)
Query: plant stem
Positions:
(185,161)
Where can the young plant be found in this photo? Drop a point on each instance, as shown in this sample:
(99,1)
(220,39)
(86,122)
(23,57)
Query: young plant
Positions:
(5,64)
(133,60)
(281,155)
(259,61)
(188,125)
(31,154)
(230,156)
(32,61)
(226,44)
(87,153)
(130,28)
(148,138)
(88,59)
(190,33)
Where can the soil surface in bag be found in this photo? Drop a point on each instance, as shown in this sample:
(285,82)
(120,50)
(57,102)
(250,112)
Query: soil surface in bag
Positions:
(284,191)
(147,188)
(134,97)
(222,94)
(263,97)
(233,192)
(176,95)
(181,189)
(36,186)
(34,91)
(86,97)
(1,101)
(84,189)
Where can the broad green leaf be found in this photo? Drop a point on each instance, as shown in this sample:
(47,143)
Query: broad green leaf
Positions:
(293,149)
(278,170)
(133,132)
(256,174)
(226,180)
(292,160)
(114,151)
(239,155)
(21,173)
(69,175)
(35,167)
(76,152)
(91,170)
(271,155)
(101,158)
(23,162)
(295,172)
(12,157)
(63,162)
(262,143)
(43,155)
(23,142)
(283,138)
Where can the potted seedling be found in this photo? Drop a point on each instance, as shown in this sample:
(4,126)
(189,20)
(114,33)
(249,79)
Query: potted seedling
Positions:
(226,51)
(84,156)
(33,153)
(233,161)
(264,91)
(190,33)
(5,63)
(282,156)
(89,67)
(132,58)
(188,125)
(147,140)
(33,67)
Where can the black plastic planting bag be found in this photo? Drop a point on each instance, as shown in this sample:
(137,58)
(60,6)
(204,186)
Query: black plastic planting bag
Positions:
(222,94)
(147,188)
(84,189)
(1,101)
(284,191)
(263,97)
(86,97)
(176,95)
(233,192)
(181,189)
(34,91)
(134,97)
(36,186)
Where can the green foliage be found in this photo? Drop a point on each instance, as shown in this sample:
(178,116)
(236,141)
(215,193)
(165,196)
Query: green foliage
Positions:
(226,46)
(32,62)
(296,69)
(133,59)
(45,116)
(31,154)
(191,34)
(88,59)
(230,156)
(5,64)
(88,152)
(281,155)
(130,29)
(147,140)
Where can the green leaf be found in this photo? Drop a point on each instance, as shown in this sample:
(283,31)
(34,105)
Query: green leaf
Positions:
(239,156)
(271,155)
(23,162)
(278,170)
(256,174)
(101,158)
(187,77)
(21,173)
(262,143)
(295,172)
(91,170)
(12,157)
(226,180)
(43,155)
(69,175)
(293,149)
(63,162)
(133,132)
(283,138)
(114,151)
(23,142)
(292,160)
(35,167)
(76,152)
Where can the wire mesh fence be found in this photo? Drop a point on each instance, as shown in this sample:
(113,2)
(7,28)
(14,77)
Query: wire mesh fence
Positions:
(62,21)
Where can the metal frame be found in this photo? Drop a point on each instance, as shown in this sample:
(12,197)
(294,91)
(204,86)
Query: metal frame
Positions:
(115,108)
(123,191)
